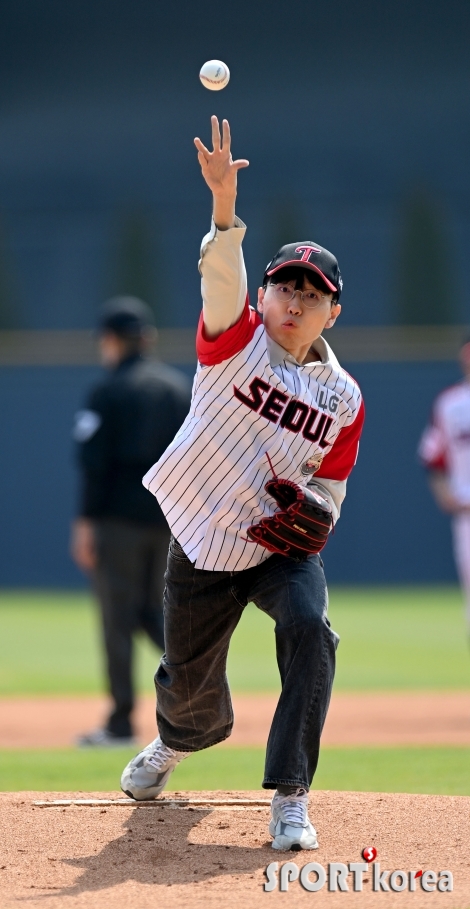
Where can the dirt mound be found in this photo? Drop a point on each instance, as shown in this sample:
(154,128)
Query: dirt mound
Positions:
(207,854)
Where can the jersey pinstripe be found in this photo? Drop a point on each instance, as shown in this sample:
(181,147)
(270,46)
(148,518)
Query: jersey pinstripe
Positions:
(210,481)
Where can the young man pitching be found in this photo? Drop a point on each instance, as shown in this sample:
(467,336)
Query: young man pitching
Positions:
(251,486)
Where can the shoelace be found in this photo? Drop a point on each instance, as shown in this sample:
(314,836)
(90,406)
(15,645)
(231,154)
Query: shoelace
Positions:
(293,809)
(157,758)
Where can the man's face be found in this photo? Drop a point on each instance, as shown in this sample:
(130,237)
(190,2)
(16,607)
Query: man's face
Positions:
(291,323)
(112,349)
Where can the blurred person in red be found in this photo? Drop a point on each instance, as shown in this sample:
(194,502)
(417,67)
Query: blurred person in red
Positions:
(120,536)
(445,451)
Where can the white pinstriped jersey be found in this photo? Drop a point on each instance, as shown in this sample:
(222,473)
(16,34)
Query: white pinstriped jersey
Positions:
(445,443)
(210,481)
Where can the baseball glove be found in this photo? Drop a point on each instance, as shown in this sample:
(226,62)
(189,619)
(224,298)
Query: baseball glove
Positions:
(300,526)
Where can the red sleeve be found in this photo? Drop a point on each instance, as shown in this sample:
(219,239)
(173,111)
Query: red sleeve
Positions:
(339,462)
(438,464)
(230,342)
(432,447)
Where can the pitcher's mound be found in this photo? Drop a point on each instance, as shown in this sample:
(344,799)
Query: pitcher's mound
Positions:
(210,849)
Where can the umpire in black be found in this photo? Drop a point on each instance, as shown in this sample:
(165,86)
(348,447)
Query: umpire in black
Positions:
(120,536)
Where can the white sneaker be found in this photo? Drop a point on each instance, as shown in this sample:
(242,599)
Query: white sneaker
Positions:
(147,774)
(290,826)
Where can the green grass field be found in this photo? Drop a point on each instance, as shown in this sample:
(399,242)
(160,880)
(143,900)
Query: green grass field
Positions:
(392,639)
(429,770)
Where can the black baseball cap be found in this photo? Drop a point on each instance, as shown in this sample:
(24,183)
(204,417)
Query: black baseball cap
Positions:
(127,317)
(308,255)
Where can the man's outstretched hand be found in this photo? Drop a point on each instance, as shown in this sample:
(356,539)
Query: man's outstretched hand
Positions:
(220,173)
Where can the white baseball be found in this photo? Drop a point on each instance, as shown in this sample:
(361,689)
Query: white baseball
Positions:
(214,75)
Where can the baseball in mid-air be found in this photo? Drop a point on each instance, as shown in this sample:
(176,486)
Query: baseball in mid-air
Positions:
(214,75)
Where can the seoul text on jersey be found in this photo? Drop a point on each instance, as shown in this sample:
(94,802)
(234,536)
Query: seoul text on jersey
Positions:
(291,414)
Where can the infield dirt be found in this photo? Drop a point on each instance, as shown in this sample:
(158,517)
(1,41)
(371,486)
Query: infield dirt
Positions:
(111,857)
(378,718)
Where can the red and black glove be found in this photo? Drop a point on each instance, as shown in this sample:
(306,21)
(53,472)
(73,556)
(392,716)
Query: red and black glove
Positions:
(300,526)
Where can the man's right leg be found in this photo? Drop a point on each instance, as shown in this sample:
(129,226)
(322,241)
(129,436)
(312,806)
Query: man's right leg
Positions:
(194,708)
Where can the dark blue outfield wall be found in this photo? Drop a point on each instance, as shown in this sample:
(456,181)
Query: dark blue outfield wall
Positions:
(390,531)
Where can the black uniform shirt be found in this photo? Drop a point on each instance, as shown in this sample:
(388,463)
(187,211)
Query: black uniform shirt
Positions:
(130,419)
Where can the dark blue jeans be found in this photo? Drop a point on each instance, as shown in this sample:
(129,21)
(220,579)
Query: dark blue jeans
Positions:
(201,612)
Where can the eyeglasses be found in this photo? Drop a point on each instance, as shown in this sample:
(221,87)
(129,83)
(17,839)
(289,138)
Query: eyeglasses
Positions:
(310,298)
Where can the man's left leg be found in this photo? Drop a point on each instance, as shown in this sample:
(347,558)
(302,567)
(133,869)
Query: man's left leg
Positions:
(294,594)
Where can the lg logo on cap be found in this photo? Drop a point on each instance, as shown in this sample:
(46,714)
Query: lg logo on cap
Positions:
(306,252)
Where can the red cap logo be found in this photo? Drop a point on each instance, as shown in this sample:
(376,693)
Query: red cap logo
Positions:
(306,250)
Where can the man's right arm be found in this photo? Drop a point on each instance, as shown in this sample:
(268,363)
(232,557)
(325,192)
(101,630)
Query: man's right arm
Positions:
(223,278)
(223,284)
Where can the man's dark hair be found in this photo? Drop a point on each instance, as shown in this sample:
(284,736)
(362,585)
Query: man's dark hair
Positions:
(130,320)
(294,273)
(126,317)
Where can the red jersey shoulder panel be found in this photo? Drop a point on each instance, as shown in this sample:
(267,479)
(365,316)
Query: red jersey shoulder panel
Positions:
(339,462)
(438,464)
(210,352)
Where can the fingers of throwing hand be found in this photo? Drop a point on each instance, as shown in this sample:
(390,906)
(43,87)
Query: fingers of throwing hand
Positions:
(201,148)
(217,165)
(202,161)
(215,133)
(240,162)
(226,136)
